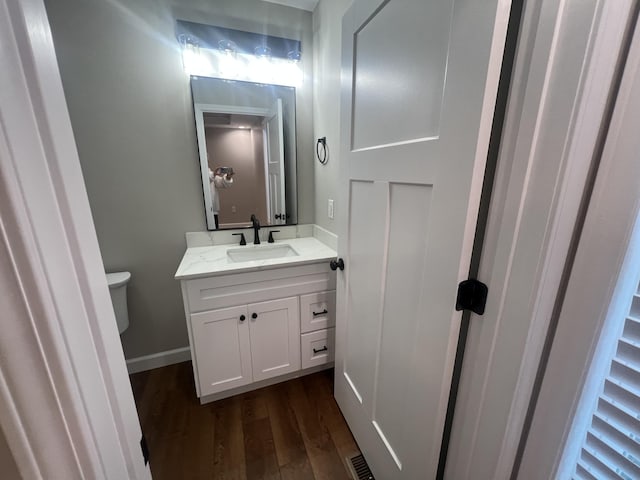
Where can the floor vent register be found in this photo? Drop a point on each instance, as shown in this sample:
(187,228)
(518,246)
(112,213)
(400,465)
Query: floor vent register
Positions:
(359,468)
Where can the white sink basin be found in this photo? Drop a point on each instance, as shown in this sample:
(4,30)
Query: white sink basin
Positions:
(249,254)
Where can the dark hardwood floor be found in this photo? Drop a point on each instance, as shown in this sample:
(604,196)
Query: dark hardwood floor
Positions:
(292,430)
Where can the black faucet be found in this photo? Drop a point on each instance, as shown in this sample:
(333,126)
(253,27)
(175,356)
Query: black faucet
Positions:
(255,224)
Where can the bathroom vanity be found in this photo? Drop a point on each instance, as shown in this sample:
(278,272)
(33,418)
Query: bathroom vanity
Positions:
(257,314)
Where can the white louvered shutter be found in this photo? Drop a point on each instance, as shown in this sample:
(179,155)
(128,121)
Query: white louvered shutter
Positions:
(611,448)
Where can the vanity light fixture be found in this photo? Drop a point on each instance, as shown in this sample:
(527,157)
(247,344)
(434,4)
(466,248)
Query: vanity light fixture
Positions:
(183,39)
(229,65)
(294,56)
(262,51)
(193,62)
(228,47)
(210,51)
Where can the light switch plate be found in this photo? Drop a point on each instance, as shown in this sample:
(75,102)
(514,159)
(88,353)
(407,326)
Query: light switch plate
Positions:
(330,208)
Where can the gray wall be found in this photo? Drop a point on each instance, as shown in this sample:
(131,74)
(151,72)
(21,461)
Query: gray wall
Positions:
(327,35)
(131,112)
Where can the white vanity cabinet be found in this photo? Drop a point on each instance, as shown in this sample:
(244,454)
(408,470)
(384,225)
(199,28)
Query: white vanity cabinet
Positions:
(250,329)
(221,342)
(274,331)
(239,345)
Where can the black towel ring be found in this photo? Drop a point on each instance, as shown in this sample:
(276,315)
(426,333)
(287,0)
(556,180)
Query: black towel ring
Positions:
(322,155)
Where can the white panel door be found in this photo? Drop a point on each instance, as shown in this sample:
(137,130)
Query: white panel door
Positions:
(275,337)
(275,163)
(221,343)
(418,93)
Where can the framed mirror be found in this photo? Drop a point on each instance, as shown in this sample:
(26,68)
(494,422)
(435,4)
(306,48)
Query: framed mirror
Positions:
(247,147)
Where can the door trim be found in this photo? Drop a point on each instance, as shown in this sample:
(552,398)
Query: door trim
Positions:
(602,258)
(559,94)
(199,109)
(502,102)
(66,405)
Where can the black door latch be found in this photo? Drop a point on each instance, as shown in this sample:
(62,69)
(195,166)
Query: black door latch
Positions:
(472,295)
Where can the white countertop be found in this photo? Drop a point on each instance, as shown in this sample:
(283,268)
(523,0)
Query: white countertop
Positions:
(213,260)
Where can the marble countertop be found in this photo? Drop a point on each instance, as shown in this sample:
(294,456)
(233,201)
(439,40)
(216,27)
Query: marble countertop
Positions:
(213,260)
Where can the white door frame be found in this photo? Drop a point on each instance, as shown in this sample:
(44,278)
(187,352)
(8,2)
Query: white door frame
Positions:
(602,258)
(66,405)
(265,164)
(279,192)
(199,109)
(563,72)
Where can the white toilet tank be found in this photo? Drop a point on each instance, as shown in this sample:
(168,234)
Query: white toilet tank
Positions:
(118,288)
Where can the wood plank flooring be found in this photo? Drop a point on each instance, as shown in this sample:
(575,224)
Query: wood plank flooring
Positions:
(289,431)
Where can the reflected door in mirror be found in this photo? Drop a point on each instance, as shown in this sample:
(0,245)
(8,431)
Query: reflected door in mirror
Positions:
(248,138)
(275,164)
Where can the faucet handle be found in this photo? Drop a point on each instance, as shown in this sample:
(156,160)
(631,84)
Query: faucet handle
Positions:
(242,239)
(271,232)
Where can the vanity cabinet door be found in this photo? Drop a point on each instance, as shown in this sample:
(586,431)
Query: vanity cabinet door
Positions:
(274,328)
(222,349)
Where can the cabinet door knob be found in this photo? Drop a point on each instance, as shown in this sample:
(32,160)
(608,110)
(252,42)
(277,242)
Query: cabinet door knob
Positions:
(254,315)
(242,318)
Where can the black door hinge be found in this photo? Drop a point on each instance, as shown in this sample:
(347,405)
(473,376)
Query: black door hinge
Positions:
(472,295)
(145,449)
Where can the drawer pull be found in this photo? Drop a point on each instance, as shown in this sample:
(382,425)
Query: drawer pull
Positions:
(324,312)
(318,350)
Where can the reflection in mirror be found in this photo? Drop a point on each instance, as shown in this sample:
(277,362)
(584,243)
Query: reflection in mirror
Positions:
(246,143)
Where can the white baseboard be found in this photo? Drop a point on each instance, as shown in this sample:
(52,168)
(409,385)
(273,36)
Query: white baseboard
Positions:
(157,360)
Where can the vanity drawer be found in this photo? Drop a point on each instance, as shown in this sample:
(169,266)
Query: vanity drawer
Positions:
(317,311)
(317,347)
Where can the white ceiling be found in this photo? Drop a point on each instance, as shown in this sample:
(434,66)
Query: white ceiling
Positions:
(301,4)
